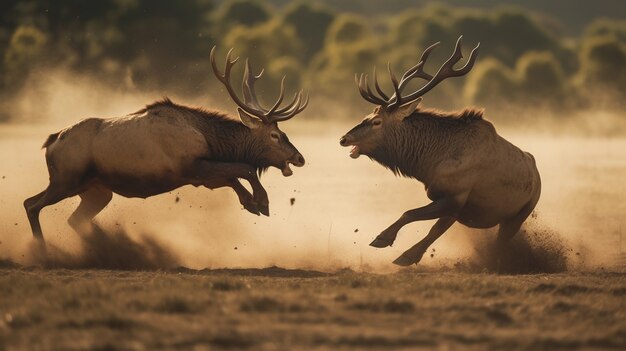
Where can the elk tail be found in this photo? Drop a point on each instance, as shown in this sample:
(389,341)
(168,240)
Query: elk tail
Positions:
(51,139)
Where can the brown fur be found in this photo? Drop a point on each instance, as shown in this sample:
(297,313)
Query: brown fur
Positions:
(227,138)
(424,138)
(156,149)
(472,174)
(51,139)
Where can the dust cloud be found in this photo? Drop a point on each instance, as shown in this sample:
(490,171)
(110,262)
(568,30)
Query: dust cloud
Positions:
(323,217)
(103,249)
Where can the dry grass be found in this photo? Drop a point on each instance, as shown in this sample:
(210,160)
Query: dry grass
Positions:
(269,309)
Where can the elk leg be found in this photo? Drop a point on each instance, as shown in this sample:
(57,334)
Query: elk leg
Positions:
(415,253)
(204,169)
(53,194)
(260,195)
(245,198)
(92,201)
(508,228)
(439,208)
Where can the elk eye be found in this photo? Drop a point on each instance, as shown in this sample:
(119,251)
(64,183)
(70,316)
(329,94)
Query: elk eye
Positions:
(377,122)
(274,135)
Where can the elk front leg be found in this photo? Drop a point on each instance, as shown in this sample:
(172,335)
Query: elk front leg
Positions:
(415,253)
(443,207)
(245,198)
(217,174)
(259,193)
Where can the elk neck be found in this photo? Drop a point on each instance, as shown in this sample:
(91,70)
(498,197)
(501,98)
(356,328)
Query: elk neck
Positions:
(229,140)
(415,146)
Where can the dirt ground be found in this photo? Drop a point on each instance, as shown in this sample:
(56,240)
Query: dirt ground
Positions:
(277,309)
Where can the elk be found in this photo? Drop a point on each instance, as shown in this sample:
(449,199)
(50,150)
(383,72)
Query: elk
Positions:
(471,174)
(165,146)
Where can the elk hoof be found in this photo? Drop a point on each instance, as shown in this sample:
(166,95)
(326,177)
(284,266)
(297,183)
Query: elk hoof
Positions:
(252,208)
(381,243)
(264,209)
(38,249)
(404,261)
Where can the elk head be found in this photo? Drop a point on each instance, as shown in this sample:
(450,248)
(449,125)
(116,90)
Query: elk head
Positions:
(391,110)
(279,152)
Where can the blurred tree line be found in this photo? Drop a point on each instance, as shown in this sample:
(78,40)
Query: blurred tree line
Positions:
(525,62)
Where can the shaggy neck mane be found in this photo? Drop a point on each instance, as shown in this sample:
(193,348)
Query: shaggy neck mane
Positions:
(228,139)
(413,147)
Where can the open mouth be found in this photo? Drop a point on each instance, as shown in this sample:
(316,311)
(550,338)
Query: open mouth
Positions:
(355,151)
(286,170)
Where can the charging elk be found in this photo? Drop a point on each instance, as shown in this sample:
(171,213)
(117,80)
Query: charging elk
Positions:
(471,174)
(165,146)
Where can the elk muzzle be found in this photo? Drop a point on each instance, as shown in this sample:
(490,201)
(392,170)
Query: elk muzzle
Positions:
(297,160)
(347,140)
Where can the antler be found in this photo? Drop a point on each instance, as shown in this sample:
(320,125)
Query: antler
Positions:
(251,103)
(445,71)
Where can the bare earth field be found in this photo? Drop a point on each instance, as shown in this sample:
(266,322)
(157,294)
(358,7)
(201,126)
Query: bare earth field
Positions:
(276,309)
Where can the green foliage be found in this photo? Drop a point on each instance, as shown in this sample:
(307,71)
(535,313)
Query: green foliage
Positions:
(348,30)
(270,45)
(491,83)
(243,12)
(163,45)
(290,68)
(602,64)
(537,82)
(26,49)
(606,27)
(350,47)
(541,76)
(311,23)
(264,43)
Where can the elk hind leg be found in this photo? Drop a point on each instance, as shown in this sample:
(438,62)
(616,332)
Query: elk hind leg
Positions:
(508,228)
(415,253)
(92,201)
(54,193)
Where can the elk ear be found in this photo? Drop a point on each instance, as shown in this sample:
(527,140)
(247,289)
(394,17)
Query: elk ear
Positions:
(407,109)
(247,120)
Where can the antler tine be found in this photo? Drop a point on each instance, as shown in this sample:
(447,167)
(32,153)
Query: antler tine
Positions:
(225,79)
(281,96)
(470,62)
(413,72)
(229,64)
(418,69)
(289,105)
(251,103)
(367,93)
(394,81)
(249,94)
(378,89)
(445,71)
(299,107)
(367,86)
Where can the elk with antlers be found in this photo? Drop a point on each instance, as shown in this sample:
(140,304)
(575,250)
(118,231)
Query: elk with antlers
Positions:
(472,175)
(165,146)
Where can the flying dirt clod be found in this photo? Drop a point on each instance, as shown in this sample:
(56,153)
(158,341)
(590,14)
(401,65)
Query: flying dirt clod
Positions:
(472,174)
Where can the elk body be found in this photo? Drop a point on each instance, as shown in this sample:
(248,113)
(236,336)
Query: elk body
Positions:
(472,175)
(165,146)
